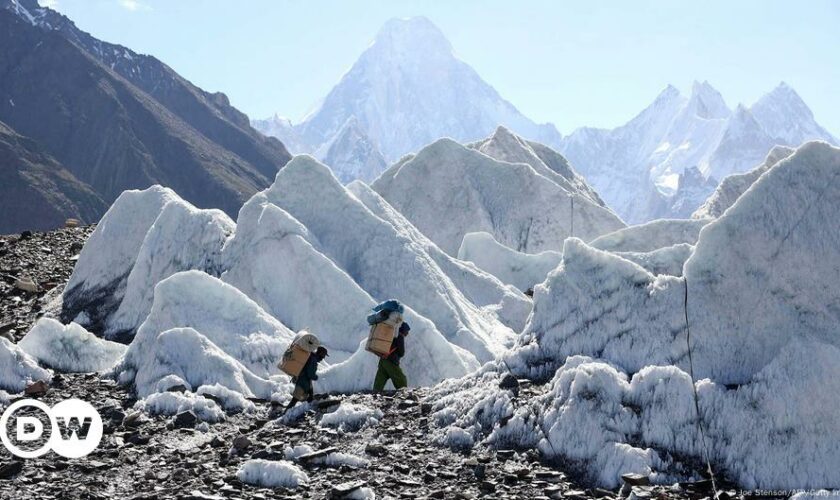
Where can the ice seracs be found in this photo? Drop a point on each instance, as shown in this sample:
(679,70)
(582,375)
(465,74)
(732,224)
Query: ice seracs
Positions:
(145,237)
(182,238)
(272,260)
(224,336)
(70,348)
(612,341)
(733,186)
(271,247)
(383,262)
(186,356)
(765,273)
(99,279)
(218,312)
(525,271)
(521,270)
(18,369)
(473,192)
(591,304)
(504,145)
(479,287)
(651,236)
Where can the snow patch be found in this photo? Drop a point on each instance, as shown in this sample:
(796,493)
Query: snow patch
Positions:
(272,474)
(350,418)
(173,403)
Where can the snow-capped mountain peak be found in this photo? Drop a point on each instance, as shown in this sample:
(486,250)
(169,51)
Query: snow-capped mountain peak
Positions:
(352,154)
(281,127)
(660,112)
(404,36)
(29,10)
(785,116)
(644,158)
(786,95)
(281,120)
(742,117)
(408,89)
(706,102)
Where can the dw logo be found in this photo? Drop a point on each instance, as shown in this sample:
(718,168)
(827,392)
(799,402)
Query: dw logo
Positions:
(75,428)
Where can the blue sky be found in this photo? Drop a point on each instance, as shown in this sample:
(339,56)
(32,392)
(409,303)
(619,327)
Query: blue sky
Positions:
(573,63)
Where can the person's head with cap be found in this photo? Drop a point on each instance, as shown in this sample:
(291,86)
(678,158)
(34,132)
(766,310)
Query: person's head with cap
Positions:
(405,328)
(321,353)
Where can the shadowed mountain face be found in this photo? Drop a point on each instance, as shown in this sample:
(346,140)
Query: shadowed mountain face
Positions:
(37,192)
(118,120)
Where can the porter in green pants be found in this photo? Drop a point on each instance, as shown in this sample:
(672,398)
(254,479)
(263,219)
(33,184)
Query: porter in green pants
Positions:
(389,367)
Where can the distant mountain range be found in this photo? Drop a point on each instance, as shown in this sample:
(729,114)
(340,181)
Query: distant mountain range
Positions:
(96,118)
(405,91)
(111,119)
(409,89)
(645,169)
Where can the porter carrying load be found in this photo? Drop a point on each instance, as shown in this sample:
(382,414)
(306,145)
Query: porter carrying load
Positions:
(385,322)
(296,356)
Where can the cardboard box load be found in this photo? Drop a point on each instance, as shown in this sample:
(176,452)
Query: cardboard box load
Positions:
(382,335)
(293,360)
(296,356)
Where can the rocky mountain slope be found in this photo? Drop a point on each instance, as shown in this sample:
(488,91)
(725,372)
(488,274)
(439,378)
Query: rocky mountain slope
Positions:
(37,192)
(118,120)
(46,259)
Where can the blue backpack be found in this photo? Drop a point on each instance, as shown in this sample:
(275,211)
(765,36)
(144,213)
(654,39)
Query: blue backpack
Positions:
(383,310)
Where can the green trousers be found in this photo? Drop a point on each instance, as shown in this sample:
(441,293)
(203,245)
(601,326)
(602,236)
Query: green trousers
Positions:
(388,370)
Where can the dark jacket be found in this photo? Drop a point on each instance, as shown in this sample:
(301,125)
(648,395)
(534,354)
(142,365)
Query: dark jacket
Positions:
(397,349)
(308,374)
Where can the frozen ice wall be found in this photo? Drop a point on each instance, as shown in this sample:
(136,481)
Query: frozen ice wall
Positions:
(98,282)
(611,340)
